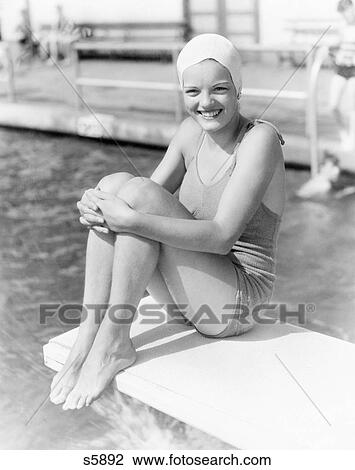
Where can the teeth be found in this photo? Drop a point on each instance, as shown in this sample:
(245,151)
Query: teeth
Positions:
(209,114)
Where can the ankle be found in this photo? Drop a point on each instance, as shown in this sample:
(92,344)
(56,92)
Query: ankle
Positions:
(89,328)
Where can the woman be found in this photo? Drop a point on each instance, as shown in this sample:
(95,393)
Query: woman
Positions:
(214,245)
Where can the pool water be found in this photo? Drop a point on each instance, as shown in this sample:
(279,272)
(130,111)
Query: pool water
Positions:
(42,261)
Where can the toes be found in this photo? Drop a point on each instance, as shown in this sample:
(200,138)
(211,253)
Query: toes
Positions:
(67,404)
(72,400)
(55,392)
(88,400)
(93,396)
(61,396)
(81,402)
(56,399)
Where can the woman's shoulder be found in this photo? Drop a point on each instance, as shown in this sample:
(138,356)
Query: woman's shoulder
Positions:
(189,129)
(187,138)
(261,146)
(265,131)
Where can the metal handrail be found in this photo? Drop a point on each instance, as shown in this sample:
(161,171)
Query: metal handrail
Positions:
(173,47)
(313,63)
(319,57)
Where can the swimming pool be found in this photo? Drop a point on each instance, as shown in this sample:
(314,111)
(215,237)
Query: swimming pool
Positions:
(42,261)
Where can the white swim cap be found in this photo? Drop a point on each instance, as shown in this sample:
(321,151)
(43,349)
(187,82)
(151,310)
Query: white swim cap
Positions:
(211,46)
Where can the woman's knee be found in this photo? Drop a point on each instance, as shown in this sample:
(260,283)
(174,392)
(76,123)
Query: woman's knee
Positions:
(114,182)
(140,192)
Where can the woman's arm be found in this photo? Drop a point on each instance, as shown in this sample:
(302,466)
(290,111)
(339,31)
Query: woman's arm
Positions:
(258,156)
(188,234)
(171,170)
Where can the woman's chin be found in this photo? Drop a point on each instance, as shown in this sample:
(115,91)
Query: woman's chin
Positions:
(211,125)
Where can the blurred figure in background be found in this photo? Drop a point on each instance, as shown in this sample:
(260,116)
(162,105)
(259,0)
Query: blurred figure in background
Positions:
(25,48)
(59,40)
(344,58)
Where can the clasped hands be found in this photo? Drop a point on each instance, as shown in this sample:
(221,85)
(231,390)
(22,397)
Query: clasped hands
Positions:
(104,212)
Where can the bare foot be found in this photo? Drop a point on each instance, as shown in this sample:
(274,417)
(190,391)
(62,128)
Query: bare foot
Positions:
(64,381)
(97,372)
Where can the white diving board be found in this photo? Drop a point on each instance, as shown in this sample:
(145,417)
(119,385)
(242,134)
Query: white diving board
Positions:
(275,387)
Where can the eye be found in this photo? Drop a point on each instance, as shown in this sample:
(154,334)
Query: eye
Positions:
(191,91)
(221,88)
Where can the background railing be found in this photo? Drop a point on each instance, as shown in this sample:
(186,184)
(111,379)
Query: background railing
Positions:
(313,61)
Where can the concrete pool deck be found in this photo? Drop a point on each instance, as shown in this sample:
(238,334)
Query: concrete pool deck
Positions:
(46,102)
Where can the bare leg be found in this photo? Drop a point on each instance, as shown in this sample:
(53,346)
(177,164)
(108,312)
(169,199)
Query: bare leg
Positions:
(196,277)
(134,263)
(98,273)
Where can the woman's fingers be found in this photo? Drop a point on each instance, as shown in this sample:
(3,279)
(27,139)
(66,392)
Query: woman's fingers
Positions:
(93,219)
(92,198)
(101,194)
(97,228)
(100,229)
(83,221)
(90,211)
(85,201)
(83,209)
(89,199)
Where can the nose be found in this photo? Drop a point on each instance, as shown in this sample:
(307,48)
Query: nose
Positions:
(205,99)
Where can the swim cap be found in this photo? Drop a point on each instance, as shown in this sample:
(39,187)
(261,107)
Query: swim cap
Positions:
(211,46)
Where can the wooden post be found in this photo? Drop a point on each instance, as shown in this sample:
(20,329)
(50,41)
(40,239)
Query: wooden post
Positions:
(186,13)
(29,25)
(222,17)
(179,111)
(256,21)
(79,89)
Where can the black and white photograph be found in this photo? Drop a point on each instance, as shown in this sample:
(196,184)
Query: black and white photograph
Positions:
(177,234)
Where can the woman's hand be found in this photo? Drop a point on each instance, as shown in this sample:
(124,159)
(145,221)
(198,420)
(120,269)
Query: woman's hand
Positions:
(90,214)
(117,214)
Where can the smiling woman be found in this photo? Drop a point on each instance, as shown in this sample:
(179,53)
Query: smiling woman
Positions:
(210,95)
(214,244)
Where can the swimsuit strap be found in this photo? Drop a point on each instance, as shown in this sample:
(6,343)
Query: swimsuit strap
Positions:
(232,159)
(240,137)
(243,131)
(196,152)
(199,144)
(261,121)
(241,134)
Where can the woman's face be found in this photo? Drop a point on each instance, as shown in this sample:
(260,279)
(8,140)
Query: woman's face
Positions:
(209,94)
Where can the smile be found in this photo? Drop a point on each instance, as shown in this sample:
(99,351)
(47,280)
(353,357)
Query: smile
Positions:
(210,114)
